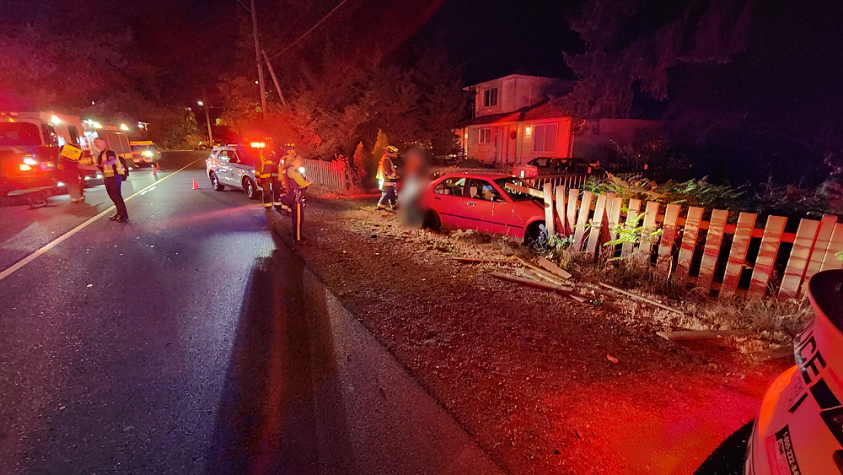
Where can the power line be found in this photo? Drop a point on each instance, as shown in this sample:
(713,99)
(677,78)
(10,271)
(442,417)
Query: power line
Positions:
(307,32)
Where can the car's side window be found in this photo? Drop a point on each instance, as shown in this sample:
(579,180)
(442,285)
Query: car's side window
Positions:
(483,190)
(452,186)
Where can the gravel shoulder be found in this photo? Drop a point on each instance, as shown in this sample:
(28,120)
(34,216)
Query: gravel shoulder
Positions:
(527,372)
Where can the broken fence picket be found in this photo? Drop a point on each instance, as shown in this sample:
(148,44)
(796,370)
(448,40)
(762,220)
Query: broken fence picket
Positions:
(719,261)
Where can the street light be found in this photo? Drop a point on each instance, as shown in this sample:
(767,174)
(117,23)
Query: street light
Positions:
(208,121)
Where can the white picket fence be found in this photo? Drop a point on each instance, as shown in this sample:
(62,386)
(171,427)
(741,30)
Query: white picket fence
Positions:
(329,174)
(593,220)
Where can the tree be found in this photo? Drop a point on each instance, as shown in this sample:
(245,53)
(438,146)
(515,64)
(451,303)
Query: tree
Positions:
(630,46)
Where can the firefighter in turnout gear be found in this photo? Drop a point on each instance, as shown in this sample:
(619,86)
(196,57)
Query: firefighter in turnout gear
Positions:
(267,174)
(295,183)
(113,173)
(388,178)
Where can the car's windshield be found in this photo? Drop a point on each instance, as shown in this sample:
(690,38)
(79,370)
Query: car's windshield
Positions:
(515,195)
(19,133)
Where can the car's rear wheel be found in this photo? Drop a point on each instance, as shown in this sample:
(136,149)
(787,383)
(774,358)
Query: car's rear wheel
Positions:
(250,188)
(215,182)
(536,234)
(432,221)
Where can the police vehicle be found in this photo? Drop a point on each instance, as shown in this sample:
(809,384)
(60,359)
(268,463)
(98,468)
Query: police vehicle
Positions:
(233,165)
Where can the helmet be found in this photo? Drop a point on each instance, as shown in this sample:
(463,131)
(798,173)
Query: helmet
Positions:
(391,150)
(289,147)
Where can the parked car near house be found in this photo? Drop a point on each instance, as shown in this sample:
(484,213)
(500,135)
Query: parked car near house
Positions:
(484,202)
(799,428)
(234,166)
(554,166)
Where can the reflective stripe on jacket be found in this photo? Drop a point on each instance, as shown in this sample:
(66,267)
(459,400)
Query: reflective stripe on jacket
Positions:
(111,164)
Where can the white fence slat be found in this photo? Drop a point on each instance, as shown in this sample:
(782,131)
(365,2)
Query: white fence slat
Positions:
(597,224)
(613,212)
(582,220)
(547,188)
(798,260)
(560,210)
(689,241)
(818,250)
(634,207)
(671,214)
(836,245)
(737,255)
(711,252)
(766,256)
(573,196)
(651,212)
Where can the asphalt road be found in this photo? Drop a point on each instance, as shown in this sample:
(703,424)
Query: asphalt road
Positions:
(188,341)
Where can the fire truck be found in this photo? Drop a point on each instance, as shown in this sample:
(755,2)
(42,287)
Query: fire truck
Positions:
(30,147)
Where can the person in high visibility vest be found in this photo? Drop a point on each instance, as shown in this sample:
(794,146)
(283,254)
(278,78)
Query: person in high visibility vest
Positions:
(388,179)
(296,183)
(113,173)
(267,175)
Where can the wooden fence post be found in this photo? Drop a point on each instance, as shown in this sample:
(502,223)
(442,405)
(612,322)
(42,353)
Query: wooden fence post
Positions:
(560,210)
(819,248)
(573,197)
(835,246)
(650,214)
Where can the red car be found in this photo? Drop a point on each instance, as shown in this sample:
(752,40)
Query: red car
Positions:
(483,202)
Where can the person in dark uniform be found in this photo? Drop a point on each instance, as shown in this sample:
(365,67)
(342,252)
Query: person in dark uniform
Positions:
(295,184)
(113,173)
(388,177)
(267,174)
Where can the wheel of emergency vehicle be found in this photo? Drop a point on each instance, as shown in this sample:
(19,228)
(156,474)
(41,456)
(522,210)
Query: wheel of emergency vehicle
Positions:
(250,188)
(432,221)
(215,182)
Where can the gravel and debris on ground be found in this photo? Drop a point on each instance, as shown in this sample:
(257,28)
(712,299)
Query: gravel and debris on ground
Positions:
(545,384)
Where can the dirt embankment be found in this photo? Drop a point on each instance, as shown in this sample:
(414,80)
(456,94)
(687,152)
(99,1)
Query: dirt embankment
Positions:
(525,371)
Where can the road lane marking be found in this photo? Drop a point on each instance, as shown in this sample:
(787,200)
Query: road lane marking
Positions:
(26,260)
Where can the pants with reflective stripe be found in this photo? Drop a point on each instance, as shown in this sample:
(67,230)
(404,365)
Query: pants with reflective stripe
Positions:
(390,195)
(112,187)
(271,190)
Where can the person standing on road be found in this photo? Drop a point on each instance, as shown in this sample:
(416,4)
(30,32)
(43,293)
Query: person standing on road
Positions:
(267,174)
(113,172)
(388,175)
(295,183)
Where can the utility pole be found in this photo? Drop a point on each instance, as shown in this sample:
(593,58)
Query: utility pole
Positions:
(208,121)
(258,60)
(274,79)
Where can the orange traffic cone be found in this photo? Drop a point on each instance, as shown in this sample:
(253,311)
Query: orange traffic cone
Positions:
(154,171)
(195,185)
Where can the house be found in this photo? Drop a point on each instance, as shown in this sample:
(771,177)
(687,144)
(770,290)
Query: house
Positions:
(514,121)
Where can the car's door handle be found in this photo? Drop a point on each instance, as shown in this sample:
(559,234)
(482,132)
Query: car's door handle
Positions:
(471,203)
(437,198)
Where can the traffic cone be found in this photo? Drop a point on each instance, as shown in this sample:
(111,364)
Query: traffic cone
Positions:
(154,171)
(195,185)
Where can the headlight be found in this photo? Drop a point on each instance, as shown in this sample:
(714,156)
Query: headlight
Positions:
(30,161)
(147,153)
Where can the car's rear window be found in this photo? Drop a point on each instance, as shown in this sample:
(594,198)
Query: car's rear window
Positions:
(19,133)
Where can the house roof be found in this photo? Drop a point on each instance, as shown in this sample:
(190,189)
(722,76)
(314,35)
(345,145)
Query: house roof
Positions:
(543,110)
(475,86)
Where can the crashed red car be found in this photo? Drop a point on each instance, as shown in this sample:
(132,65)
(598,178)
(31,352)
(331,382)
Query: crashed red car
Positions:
(484,202)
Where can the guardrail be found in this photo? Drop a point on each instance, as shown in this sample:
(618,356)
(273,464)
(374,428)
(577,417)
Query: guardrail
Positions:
(331,174)
(713,255)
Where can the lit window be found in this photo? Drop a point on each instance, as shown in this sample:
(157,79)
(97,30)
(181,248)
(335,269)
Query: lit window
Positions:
(485,136)
(544,138)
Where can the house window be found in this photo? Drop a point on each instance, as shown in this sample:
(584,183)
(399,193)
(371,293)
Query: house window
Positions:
(490,97)
(485,136)
(544,138)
